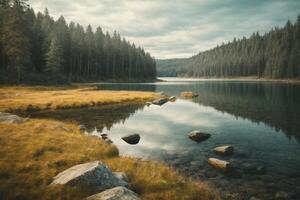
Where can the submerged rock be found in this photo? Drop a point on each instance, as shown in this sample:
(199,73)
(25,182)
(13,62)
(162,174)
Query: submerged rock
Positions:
(160,102)
(172,98)
(198,136)
(251,168)
(189,94)
(224,150)
(92,176)
(8,118)
(281,195)
(117,193)
(219,164)
(132,139)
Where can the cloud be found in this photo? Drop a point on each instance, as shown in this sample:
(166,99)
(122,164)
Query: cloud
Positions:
(174,28)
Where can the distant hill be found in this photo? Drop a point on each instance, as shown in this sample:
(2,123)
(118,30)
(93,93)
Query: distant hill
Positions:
(275,54)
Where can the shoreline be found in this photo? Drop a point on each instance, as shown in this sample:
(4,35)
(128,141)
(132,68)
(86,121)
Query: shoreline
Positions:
(42,148)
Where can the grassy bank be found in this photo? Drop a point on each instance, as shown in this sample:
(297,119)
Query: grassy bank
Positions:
(18,99)
(33,152)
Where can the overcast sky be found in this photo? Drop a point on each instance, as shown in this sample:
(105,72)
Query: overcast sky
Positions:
(173,28)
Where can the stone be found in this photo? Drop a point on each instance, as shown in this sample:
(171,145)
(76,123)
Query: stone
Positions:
(132,139)
(198,136)
(189,94)
(160,102)
(93,176)
(252,168)
(117,193)
(219,164)
(224,150)
(281,195)
(108,141)
(172,98)
(8,118)
(121,175)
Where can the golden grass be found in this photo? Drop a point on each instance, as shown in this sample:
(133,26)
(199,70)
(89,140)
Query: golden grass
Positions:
(188,94)
(32,153)
(14,99)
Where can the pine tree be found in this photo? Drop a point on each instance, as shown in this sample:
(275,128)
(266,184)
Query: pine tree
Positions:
(55,57)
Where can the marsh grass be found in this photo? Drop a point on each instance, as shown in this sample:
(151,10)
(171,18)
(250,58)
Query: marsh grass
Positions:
(30,99)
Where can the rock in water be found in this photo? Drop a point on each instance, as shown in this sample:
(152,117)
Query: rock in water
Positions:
(160,102)
(117,193)
(189,94)
(172,99)
(8,118)
(219,164)
(93,177)
(132,139)
(198,136)
(224,150)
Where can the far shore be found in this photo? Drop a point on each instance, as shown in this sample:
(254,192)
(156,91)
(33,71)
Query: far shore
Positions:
(241,78)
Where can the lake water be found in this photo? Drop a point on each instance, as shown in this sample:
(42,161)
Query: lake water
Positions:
(260,119)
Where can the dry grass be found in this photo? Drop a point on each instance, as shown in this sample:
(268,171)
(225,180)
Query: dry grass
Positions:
(14,99)
(188,94)
(32,153)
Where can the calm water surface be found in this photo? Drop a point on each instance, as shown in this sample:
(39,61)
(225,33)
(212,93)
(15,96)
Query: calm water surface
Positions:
(260,119)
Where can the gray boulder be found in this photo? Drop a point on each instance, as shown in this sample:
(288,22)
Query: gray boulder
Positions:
(8,118)
(93,177)
(224,150)
(117,193)
(121,175)
(198,136)
(160,102)
(132,139)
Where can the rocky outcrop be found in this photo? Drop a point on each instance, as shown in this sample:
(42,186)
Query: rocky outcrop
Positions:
(93,177)
(172,98)
(117,193)
(219,164)
(8,118)
(198,136)
(132,139)
(160,102)
(189,94)
(224,150)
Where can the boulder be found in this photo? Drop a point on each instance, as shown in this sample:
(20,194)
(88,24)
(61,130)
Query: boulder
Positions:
(189,94)
(121,175)
(132,139)
(160,102)
(117,193)
(224,150)
(172,98)
(93,177)
(8,118)
(219,164)
(198,136)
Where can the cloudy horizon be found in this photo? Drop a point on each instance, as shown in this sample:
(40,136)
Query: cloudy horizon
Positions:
(175,29)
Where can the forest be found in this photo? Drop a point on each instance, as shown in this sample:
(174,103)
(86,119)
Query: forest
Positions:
(36,49)
(275,54)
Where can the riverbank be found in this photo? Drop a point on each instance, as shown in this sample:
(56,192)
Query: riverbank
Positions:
(33,152)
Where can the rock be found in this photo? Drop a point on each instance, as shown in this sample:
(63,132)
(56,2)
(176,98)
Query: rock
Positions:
(198,136)
(189,94)
(8,118)
(160,102)
(224,150)
(108,141)
(92,176)
(254,198)
(117,193)
(121,175)
(104,135)
(281,195)
(219,164)
(148,103)
(172,98)
(132,139)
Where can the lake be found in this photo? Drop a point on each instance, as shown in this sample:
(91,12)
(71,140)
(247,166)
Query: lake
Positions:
(259,118)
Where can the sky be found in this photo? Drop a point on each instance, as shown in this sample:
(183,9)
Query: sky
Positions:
(175,28)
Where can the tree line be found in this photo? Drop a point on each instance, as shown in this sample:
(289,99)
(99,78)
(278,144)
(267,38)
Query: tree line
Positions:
(34,48)
(275,54)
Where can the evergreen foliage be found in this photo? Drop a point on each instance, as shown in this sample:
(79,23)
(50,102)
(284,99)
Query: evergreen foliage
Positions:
(33,47)
(275,54)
